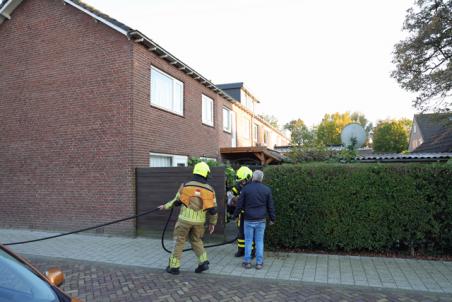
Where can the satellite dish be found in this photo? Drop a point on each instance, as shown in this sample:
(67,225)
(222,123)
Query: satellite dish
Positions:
(351,132)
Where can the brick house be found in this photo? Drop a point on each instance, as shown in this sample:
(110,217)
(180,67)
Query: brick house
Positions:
(84,101)
(431,133)
(252,130)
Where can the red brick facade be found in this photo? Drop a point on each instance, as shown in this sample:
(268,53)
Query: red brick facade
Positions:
(76,119)
(159,131)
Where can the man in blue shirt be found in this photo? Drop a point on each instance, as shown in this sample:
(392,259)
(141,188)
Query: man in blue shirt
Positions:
(256,201)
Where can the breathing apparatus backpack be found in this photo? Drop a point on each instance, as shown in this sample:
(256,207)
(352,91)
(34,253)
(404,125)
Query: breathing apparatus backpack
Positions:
(197,196)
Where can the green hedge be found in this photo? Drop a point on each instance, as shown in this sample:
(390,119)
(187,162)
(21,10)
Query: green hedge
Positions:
(374,207)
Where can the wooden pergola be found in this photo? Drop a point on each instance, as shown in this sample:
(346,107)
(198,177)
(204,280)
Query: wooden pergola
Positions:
(258,155)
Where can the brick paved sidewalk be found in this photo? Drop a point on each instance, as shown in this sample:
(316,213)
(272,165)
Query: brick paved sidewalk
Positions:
(433,276)
(98,282)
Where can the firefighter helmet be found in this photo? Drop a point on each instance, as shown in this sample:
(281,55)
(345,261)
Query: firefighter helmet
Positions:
(201,169)
(244,173)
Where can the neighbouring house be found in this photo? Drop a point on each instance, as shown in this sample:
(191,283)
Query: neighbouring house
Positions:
(431,133)
(252,130)
(84,101)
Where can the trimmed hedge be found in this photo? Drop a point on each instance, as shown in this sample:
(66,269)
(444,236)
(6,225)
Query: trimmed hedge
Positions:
(373,207)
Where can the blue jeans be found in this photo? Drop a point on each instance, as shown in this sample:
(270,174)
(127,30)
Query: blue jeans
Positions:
(254,229)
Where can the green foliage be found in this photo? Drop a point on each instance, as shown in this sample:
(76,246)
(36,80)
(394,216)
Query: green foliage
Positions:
(424,59)
(391,136)
(308,153)
(305,146)
(362,120)
(330,128)
(230,176)
(299,133)
(229,171)
(373,207)
(349,154)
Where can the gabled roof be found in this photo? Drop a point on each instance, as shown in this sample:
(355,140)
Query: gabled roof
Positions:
(8,6)
(436,130)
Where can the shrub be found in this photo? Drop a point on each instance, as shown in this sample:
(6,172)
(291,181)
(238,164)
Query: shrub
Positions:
(373,207)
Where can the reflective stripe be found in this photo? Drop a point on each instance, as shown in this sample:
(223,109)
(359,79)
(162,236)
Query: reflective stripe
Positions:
(174,262)
(203,257)
(235,191)
(187,214)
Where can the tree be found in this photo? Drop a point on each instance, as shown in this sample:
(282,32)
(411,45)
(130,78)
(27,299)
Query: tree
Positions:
(424,59)
(299,132)
(271,119)
(329,129)
(304,143)
(390,136)
(361,119)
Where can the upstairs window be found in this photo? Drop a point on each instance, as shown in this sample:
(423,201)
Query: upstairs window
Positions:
(227,120)
(207,110)
(166,92)
(255,132)
(246,128)
(266,137)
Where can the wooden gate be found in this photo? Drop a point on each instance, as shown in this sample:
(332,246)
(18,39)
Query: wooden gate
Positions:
(155,186)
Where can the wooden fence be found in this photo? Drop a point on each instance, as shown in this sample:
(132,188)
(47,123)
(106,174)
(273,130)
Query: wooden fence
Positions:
(155,186)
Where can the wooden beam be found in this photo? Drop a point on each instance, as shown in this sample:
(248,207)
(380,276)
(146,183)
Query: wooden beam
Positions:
(241,150)
(269,160)
(261,157)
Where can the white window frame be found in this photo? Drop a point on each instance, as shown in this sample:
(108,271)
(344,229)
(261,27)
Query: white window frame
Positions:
(246,128)
(255,132)
(266,137)
(205,159)
(177,106)
(207,110)
(227,120)
(176,160)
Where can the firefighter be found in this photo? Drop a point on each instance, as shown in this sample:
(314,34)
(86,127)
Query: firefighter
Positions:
(244,175)
(199,203)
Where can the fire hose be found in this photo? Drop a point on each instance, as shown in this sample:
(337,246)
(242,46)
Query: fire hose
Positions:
(118,221)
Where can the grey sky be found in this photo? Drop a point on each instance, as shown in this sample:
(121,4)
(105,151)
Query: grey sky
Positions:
(301,59)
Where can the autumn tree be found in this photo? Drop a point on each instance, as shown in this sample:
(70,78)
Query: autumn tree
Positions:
(391,136)
(300,134)
(304,143)
(424,59)
(361,119)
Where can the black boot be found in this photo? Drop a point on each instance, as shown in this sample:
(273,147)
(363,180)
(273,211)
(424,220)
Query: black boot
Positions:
(172,270)
(202,267)
(240,252)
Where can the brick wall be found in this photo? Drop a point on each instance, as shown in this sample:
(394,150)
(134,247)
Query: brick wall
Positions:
(76,120)
(159,131)
(65,119)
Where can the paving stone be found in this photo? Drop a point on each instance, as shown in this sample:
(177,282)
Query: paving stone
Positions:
(382,272)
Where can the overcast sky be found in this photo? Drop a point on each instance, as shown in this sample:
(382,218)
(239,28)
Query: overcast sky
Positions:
(300,58)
